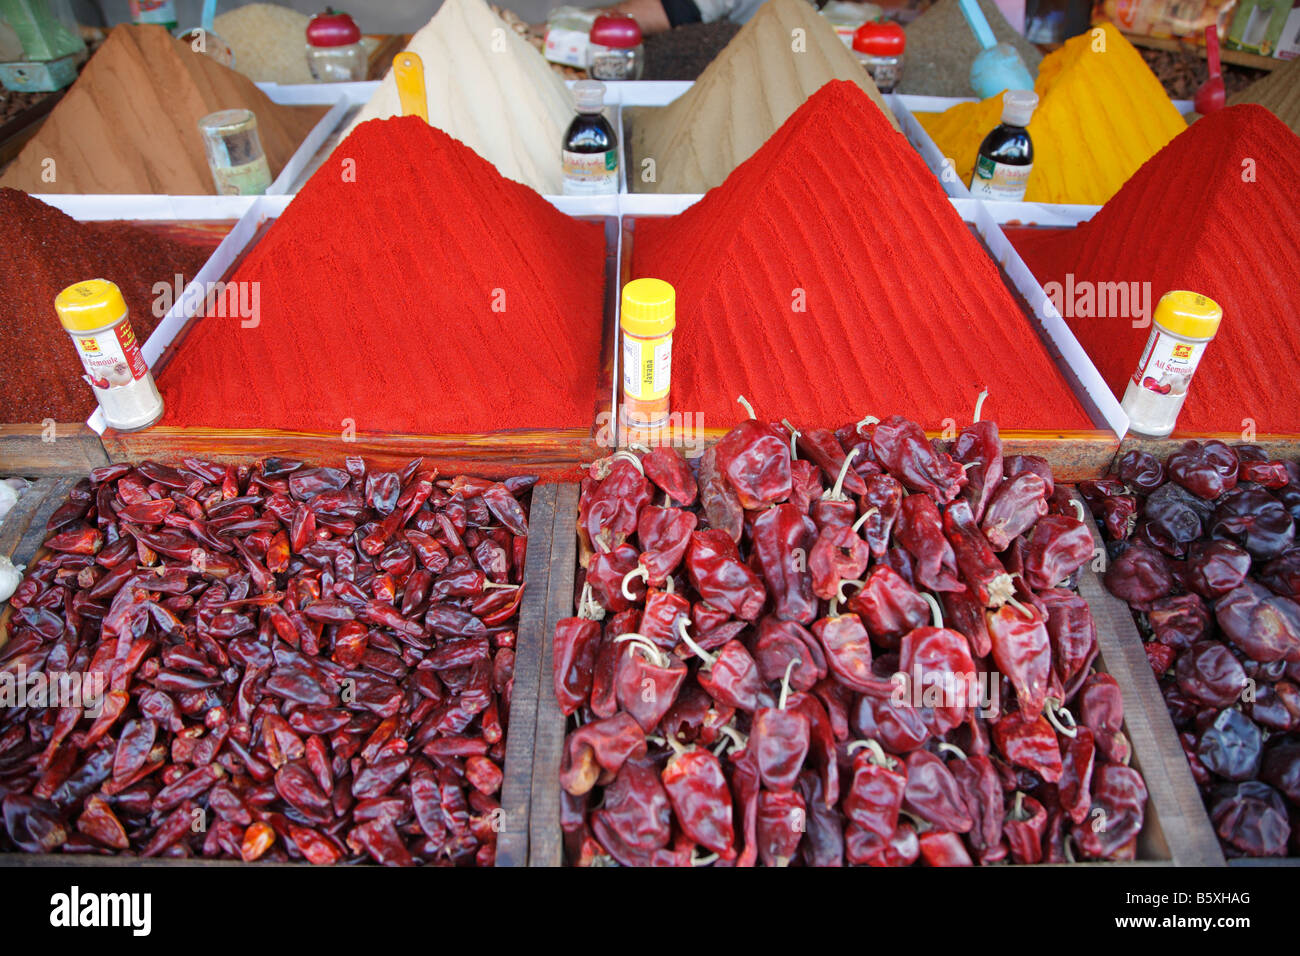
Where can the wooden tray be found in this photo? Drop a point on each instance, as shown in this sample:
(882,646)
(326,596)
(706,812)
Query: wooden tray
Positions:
(1176,830)
(22,534)
(1073,455)
(513,451)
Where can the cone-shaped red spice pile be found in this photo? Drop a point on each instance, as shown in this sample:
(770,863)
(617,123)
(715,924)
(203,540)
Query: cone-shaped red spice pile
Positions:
(407,289)
(829,278)
(1212,212)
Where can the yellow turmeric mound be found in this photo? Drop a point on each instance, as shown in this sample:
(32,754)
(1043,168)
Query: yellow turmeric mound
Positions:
(1101,114)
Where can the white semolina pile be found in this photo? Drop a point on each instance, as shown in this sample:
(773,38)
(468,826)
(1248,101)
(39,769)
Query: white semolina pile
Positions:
(269,42)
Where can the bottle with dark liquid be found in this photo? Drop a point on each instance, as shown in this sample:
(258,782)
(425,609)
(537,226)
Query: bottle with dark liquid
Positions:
(1006,156)
(590,155)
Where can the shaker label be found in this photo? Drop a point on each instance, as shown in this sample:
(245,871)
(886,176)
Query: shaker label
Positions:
(112,357)
(994,180)
(1167,364)
(647,367)
(588,173)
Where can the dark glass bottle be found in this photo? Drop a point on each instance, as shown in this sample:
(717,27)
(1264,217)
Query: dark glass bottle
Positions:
(590,155)
(1006,157)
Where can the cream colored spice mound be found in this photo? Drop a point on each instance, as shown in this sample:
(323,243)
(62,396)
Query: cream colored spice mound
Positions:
(269,42)
(489,89)
(1279,91)
(783,55)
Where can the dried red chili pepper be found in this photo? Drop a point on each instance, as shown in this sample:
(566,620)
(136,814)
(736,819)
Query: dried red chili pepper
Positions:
(719,501)
(1029,742)
(979,447)
(977,782)
(1025,825)
(1101,710)
(839,554)
(1014,508)
(932,794)
(573,650)
(730,677)
(608,514)
(755,461)
(664,535)
(1057,547)
(782,822)
(940,671)
(889,606)
(701,799)
(901,448)
(981,571)
(647,680)
(1119,798)
(875,797)
(1073,635)
(780,738)
(881,503)
(920,533)
(1206,470)
(602,745)
(1023,652)
(721,577)
(782,538)
(848,652)
(824,449)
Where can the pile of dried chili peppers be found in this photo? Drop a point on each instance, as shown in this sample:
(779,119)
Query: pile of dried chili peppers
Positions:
(297,663)
(827,648)
(1204,550)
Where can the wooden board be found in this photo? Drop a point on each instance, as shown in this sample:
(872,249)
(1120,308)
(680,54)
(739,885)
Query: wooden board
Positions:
(1278,447)
(545,840)
(514,451)
(24,450)
(530,638)
(22,533)
(1178,827)
(1235,57)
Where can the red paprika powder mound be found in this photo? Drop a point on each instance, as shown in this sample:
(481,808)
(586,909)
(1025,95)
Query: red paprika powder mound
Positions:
(45,251)
(408,289)
(829,278)
(1213,213)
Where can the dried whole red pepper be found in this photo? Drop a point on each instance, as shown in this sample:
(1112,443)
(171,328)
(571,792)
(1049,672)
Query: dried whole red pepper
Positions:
(610,574)
(979,447)
(880,506)
(731,676)
(981,571)
(661,616)
(1024,827)
(601,746)
(848,652)
(721,578)
(647,680)
(1206,470)
(1139,575)
(664,535)
(1119,798)
(888,606)
(1029,742)
(932,794)
(574,654)
(782,822)
(608,513)
(1216,567)
(782,538)
(719,501)
(939,668)
(838,554)
(980,789)
(1014,508)
(875,797)
(901,448)
(1023,653)
(824,450)
(755,461)
(636,810)
(701,798)
(780,738)
(1101,710)
(920,533)
(1250,818)
(1057,547)
(1208,673)
(1073,635)
(665,466)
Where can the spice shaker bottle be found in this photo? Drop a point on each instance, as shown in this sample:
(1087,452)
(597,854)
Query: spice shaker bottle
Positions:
(647,319)
(95,315)
(335,53)
(235,155)
(616,51)
(1183,325)
(879,48)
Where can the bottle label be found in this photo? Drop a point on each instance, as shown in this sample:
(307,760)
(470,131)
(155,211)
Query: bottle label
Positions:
(567,47)
(162,12)
(588,174)
(1168,363)
(112,357)
(248,179)
(647,367)
(994,180)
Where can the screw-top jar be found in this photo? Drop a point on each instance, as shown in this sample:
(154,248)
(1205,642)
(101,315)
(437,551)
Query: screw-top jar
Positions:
(879,47)
(235,155)
(1183,325)
(647,319)
(95,315)
(335,53)
(616,50)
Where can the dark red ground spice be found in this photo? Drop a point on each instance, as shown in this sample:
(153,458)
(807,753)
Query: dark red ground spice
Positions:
(45,252)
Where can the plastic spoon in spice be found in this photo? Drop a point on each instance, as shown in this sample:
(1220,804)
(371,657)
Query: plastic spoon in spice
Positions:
(408,70)
(997,66)
(1211,96)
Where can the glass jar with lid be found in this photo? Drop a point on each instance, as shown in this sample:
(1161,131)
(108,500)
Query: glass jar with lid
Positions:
(879,47)
(335,53)
(616,49)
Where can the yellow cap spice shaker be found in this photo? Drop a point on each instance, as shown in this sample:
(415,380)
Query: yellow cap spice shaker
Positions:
(95,315)
(647,319)
(1183,325)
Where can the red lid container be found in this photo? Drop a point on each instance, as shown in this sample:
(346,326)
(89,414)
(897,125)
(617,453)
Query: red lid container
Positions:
(880,39)
(332,29)
(617,31)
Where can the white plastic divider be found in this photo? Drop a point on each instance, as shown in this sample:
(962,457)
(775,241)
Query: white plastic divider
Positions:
(1045,214)
(1045,313)
(308,148)
(97,208)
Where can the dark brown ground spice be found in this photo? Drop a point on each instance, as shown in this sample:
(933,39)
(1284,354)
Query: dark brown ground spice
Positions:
(45,252)
(683,53)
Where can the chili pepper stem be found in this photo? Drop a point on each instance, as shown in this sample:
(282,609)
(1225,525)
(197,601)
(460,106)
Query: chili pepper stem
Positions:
(869,420)
(936,613)
(653,654)
(979,405)
(748,407)
(1078,510)
(922,826)
(1017,811)
(588,607)
(785,682)
(839,592)
(702,860)
(492,585)
(701,653)
(877,756)
(862,518)
(1020,607)
(1055,714)
(739,740)
(628,456)
(837,491)
(640,572)
(794,435)
(943,745)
